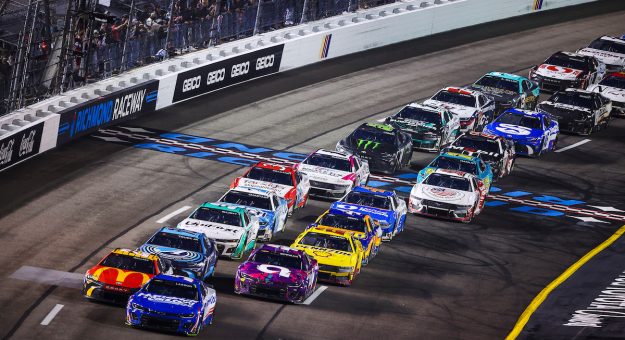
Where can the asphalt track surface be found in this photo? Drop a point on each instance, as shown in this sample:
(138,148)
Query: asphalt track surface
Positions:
(64,210)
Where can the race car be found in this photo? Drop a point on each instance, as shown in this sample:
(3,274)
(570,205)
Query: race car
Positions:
(578,111)
(383,206)
(365,229)
(449,194)
(495,150)
(609,50)
(430,127)
(613,88)
(474,108)
(567,70)
(120,274)
(385,148)
(533,133)
(188,252)
(277,272)
(332,174)
(508,91)
(338,253)
(172,303)
(287,182)
(233,229)
(460,162)
(270,209)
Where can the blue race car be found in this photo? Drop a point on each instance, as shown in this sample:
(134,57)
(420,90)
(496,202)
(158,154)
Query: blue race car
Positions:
(533,133)
(172,303)
(383,206)
(270,209)
(459,162)
(188,252)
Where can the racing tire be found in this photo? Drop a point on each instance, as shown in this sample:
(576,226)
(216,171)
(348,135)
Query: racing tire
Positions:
(555,144)
(367,181)
(291,210)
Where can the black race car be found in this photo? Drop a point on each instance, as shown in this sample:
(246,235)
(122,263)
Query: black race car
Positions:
(508,91)
(578,111)
(565,70)
(385,147)
(494,150)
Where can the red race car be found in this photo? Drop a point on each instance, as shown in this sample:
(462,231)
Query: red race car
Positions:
(287,182)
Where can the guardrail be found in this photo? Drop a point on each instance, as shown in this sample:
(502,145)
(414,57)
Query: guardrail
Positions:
(61,119)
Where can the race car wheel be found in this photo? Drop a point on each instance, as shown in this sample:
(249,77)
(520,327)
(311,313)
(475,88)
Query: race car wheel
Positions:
(555,144)
(291,209)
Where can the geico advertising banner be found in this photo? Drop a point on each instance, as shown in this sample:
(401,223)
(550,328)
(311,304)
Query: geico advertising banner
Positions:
(107,110)
(20,146)
(228,72)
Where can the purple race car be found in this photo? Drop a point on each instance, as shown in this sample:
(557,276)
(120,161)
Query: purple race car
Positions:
(277,272)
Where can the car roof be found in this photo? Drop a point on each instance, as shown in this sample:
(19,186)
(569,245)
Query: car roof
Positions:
(253,190)
(223,206)
(613,39)
(181,232)
(134,253)
(506,76)
(454,173)
(370,190)
(573,55)
(177,278)
(337,211)
(457,155)
(274,166)
(525,112)
(579,91)
(330,231)
(480,135)
(430,108)
(378,126)
(281,249)
(461,90)
(332,153)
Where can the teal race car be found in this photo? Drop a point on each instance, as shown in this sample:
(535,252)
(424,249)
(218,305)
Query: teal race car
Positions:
(233,228)
(460,162)
(508,91)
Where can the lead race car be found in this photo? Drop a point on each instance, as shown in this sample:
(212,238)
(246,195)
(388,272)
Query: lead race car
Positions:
(270,209)
(332,174)
(474,108)
(578,111)
(533,133)
(449,194)
(613,88)
(508,90)
(609,50)
(431,127)
(287,182)
(567,70)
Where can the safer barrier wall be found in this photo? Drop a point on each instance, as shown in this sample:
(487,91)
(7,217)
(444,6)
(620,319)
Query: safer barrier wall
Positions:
(61,119)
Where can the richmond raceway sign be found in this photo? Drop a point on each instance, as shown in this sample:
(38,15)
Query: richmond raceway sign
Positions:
(229,72)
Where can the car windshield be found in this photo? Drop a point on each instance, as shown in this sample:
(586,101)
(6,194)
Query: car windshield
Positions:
(447,181)
(573,98)
(608,45)
(278,259)
(614,81)
(230,218)
(131,263)
(247,199)
(373,135)
(172,289)
(344,222)
(455,98)
(326,241)
(519,119)
(486,145)
(270,175)
(418,114)
(563,60)
(367,199)
(176,241)
(504,84)
(327,161)
(449,163)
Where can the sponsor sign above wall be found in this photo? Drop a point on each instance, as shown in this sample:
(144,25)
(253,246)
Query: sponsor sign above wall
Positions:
(225,73)
(113,108)
(20,146)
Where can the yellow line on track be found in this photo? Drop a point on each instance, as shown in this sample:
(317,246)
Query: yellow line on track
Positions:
(540,298)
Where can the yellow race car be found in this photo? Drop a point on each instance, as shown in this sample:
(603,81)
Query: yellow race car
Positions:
(338,253)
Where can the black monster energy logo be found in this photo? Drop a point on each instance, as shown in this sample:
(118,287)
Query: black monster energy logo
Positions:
(366,143)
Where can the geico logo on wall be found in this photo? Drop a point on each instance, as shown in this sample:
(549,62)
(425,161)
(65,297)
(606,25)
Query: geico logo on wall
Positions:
(20,146)
(228,72)
(119,106)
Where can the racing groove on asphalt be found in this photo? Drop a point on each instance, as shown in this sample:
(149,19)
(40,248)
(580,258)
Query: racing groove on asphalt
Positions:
(437,280)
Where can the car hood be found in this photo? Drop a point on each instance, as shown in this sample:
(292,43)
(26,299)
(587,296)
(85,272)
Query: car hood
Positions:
(317,173)
(272,274)
(447,195)
(168,304)
(118,277)
(510,131)
(173,254)
(212,230)
(558,72)
(463,112)
(327,256)
(280,189)
(608,58)
(612,93)
(365,147)
(377,214)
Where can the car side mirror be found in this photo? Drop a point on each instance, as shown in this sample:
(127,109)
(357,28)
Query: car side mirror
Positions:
(387,120)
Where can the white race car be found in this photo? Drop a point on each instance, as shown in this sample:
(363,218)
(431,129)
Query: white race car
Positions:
(448,194)
(608,50)
(613,88)
(565,70)
(332,174)
(233,228)
(474,109)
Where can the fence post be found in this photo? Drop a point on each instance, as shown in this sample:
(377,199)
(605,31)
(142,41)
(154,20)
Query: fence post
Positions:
(257,22)
(213,30)
(124,49)
(304,13)
(171,18)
